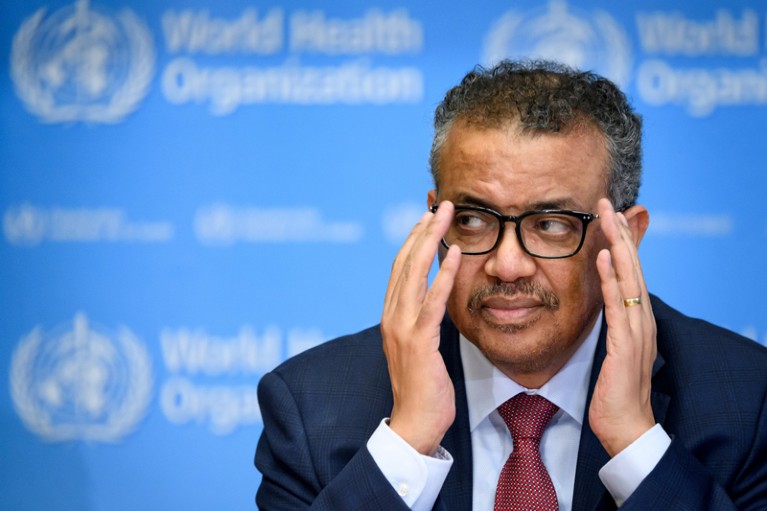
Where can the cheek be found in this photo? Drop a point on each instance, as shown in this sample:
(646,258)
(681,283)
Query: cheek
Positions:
(470,275)
(461,286)
(575,281)
(583,284)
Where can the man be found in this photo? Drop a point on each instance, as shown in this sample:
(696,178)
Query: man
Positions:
(539,294)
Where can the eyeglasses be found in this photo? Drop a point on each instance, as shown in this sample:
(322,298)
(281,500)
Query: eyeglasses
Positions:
(548,234)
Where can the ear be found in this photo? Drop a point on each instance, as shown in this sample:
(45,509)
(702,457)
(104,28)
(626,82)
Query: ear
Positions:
(638,219)
(431,198)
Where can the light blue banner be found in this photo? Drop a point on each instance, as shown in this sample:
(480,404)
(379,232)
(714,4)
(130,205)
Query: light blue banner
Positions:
(192,191)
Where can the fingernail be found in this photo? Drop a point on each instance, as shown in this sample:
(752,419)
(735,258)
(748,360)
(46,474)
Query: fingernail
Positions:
(442,206)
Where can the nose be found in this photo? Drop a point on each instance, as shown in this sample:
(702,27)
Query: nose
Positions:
(509,261)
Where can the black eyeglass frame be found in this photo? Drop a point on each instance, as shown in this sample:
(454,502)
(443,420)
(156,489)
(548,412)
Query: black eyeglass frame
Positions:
(585,218)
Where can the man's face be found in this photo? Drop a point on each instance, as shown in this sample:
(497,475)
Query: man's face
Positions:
(528,315)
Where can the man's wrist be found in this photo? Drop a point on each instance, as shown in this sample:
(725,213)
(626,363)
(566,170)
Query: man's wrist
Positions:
(623,474)
(417,478)
(424,445)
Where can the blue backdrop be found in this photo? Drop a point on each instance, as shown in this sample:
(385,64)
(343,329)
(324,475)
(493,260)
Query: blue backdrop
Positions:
(191,191)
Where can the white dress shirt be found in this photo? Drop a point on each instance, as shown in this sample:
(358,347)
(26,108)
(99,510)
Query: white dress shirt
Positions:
(487,388)
(418,479)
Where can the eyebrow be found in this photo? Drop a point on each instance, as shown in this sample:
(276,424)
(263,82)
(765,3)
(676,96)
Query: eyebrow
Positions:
(563,203)
(470,200)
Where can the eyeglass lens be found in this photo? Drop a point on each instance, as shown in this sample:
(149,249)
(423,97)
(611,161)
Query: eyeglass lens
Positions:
(542,234)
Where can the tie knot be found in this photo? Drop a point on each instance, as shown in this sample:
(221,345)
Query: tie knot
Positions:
(526,416)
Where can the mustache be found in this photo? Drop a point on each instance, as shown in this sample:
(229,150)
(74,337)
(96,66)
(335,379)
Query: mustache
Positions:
(547,297)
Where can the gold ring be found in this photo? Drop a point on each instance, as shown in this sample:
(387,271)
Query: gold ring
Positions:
(630,302)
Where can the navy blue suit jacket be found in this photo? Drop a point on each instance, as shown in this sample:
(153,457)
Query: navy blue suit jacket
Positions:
(709,392)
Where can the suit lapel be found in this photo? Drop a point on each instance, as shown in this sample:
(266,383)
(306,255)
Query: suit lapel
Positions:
(456,494)
(590,494)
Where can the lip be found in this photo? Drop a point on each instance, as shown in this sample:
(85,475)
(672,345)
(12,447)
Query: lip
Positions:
(511,310)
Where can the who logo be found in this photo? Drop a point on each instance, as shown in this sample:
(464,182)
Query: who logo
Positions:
(80,64)
(80,382)
(583,40)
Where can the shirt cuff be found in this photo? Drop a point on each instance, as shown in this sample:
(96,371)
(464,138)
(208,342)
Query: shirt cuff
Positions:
(418,479)
(623,474)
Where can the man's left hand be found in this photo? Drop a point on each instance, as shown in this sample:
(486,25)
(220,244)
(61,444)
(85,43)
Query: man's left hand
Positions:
(620,410)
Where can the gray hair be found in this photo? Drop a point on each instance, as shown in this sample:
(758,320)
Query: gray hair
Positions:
(544,96)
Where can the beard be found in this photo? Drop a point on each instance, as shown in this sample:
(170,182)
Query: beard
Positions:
(547,298)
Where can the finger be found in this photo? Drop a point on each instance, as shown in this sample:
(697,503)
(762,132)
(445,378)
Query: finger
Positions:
(403,254)
(623,252)
(620,282)
(411,284)
(615,314)
(403,259)
(631,336)
(435,303)
(626,339)
(617,271)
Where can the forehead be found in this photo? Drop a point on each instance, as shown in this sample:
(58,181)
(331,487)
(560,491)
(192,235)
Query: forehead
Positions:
(512,170)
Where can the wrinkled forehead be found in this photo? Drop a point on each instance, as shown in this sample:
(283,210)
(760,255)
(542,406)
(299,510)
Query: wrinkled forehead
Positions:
(518,133)
(512,171)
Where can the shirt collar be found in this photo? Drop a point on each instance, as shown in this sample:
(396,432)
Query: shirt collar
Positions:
(487,387)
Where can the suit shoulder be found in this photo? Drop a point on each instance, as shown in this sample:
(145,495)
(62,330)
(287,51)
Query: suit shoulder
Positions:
(705,342)
(362,351)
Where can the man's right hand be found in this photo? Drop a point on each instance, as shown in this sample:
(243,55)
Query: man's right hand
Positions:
(424,397)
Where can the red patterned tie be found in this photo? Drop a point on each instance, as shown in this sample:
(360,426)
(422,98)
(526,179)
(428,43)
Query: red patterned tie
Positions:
(525,484)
